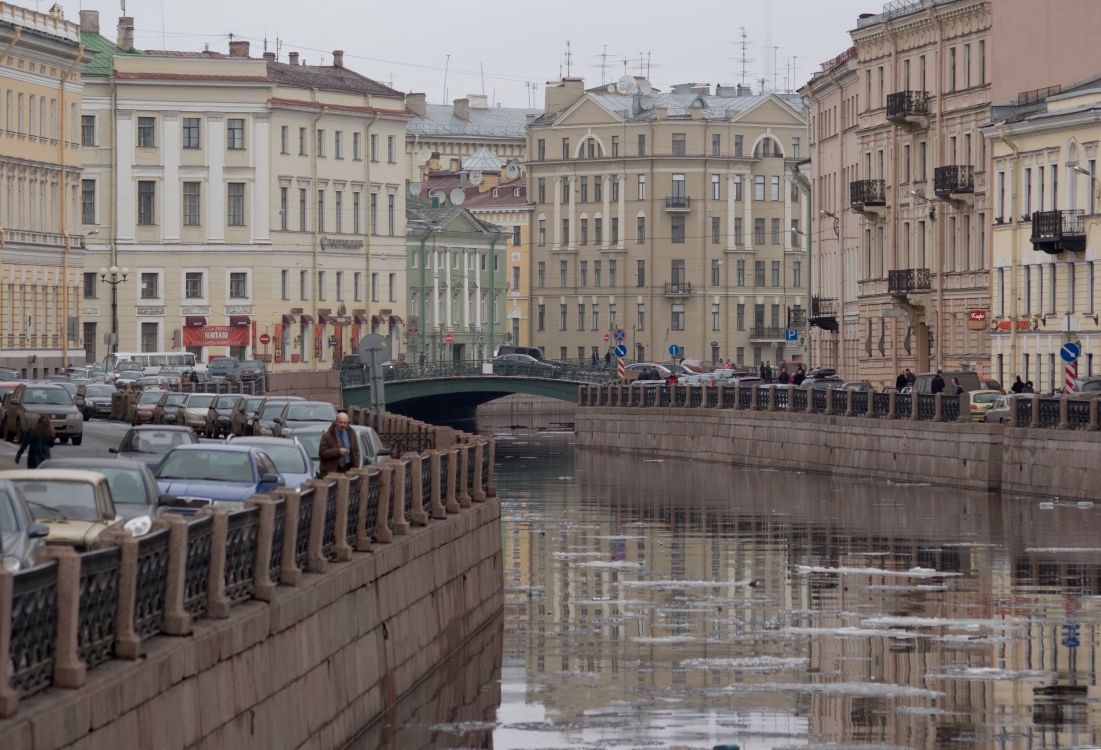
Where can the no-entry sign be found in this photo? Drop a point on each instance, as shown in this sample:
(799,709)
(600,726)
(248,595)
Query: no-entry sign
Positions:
(448,338)
(265,339)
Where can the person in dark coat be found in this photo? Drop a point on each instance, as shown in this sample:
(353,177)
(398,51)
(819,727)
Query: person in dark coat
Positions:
(338,450)
(956,388)
(784,378)
(37,442)
(800,376)
(1018,385)
(595,361)
(937,386)
(900,381)
(607,360)
(1028,388)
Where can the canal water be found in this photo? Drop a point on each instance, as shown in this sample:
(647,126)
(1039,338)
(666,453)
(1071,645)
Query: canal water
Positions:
(659,604)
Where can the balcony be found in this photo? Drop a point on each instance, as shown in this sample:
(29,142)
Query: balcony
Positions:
(44,239)
(823,313)
(767,333)
(868,196)
(1056,231)
(955,182)
(909,280)
(678,289)
(909,108)
(678,204)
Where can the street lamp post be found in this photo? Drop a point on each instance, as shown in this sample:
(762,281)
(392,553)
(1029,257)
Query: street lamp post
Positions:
(114,276)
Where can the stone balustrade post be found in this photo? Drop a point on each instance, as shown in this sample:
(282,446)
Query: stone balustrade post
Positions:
(938,406)
(1064,415)
(491,487)
(892,404)
(217,606)
(177,620)
(436,491)
(263,586)
(342,485)
(849,403)
(69,670)
(463,469)
(753,398)
(451,500)
(363,541)
(9,698)
(1093,416)
(315,555)
(965,407)
(915,399)
(383,534)
(416,474)
(479,494)
(289,572)
(772,399)
(127,641)
(1035,421)
(401,476)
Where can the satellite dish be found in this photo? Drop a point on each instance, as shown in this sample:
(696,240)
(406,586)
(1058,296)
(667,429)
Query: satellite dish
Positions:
(424,155)
(438,195)
(476,177)
(414,189)
(646,103)
(512,171)
(626,85)
(644,87)
(457,196)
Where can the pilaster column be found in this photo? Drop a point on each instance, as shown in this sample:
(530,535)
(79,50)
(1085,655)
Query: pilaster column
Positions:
(558,238)
(214,216)
(170,205)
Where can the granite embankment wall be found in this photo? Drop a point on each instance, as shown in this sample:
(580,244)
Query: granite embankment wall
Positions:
(975,456)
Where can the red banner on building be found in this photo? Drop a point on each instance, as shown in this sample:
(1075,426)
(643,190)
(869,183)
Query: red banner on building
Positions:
(216,335)
(277,339)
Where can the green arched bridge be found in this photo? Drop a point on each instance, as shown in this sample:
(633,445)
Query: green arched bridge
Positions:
(452,391)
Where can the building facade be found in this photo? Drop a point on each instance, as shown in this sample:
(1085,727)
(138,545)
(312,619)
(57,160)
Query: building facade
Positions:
(256,205)
(457,284)
(674,216)
(1046,233)
(833,95)
(41,74)
(920,188)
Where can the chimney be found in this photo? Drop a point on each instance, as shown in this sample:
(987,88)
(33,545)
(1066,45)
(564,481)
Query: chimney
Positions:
(560,94)
(462,109)
(478,101)
(89,21)
(125,36)
(292,58)
(338,58)
(238,48)
(269,56)
(415,103)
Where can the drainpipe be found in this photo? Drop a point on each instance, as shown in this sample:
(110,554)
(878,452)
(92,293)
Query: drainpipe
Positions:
(367,244)
(423,349)
(805,189)
(63,194)
(493,288)
(937,150)
(3,59)
(1015,263)
(317,217)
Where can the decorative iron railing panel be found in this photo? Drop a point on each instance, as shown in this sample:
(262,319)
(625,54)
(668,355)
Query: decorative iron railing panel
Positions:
(152,580)
(99,594)
(242,534)
(197,567)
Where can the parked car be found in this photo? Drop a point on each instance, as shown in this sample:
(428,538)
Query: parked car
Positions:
(371,449)
(75,505)
(29,401)
(219,414)
(300,413)
(21,537)
(268,411)
(288,455)
(989,384)
(982,402)
(167,409)
(68,385)
(861,386)
(141,410)
(969,381)
(192,412)
(223,473)
(223,367)
(633,370)
(244,415)
(7,387)
(150,443)
(249,371)
(94,399)
(133,486)
(522,364)
(158,382)
(532,351)
(998,412)
(821,383)
(1087,387)
(128,378)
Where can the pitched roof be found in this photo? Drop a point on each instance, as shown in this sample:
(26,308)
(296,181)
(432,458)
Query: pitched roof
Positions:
(103,50)
(483,160)
(679,105)
(330,78)
(491,122)
(475,197)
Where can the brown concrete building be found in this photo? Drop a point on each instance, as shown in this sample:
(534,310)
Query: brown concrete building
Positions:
(673,216)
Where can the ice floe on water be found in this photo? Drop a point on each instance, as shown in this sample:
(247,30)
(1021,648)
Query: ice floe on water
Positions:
(664,639)
(568,555)
(464,727)
(918,588)
(612,565)
(748,663)
(857,689)
(851,632)
(991,674)
(911,573)
(685,584)
(907,621)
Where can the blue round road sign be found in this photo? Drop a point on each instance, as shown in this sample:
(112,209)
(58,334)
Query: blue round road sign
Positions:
(674,350)
(620,350)
(620,334)
(1070,352)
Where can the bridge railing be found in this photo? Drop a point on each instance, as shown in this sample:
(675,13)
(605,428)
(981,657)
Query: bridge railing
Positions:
(570,370)
(71,612)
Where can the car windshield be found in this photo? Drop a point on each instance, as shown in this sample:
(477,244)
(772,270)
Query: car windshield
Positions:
(1092,385)
(154,441)
(47,397)
(149,397)
(99,391)
(127,487)
(273,409)
(58,498)
(311,442)
(175,399)
(200,401)
(311,413)
(251,366)
(252,404)
(209,465)
(222,364)
(8,520)
(288,459)
(226,402)
(985,398)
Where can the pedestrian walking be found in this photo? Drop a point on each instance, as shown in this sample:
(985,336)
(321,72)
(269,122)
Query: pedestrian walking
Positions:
(800,376)
(956,389)
(1018,385)
(37,442)
(607,360)
(1028,388)
(594,359)
(937,386)
(900,381)
(784,378)
(338,450)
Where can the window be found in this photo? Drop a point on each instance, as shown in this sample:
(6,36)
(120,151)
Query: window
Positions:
(796,234)
(584,226)
(611,273)
(374,213)
(321,285)
(715,316)
(759,188)
(541,190)
(716,144)
(302,141)
(740,272)
(642,144)
(147,192)
(391,151)
(677,319)
(614,239)
(238,285)
(716,187)
(563,269)
(149,285)
(304,285)
(596,318)
(758,273)
(147,132)
(615,145)
(302,209)
(392,287)
(640,317)
(149,336)
(235,208)
(356,147)
(640,229)
(193,285)
(339,286)
(797,273)
(357,285)
(640,273)
(1000,188)
(583,185)
(716,268)
(374,147)
(192,204)
(562,322)
(598,231)
(88,201)
(338,144)
(716,230)
(285,284)
(541,275)
(1027,190)
(391,207)
(565,148)
(596,273)
(1027,288)
(284,138)
(774,193)
(320,146)
(775,231)
(541,149)
(338,210)
(982,61)
(581,316)
(1070,286)
(615,187)
(738,145)
(1089,286)
(87,130)
(583,271)
(357,211)
(758,231)
(235,133)
(542,232)
(320,210)
(794,148)
(515,278)
(952,69)
(776,273)
(676,230)
(374,287)
(641,187)
(737,187)
(540,317)
(679,146)
(741,320)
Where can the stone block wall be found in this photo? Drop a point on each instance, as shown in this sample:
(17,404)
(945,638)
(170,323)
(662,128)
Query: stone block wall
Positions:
(1055,463)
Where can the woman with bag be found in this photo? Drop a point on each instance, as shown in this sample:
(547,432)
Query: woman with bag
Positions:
(37,442)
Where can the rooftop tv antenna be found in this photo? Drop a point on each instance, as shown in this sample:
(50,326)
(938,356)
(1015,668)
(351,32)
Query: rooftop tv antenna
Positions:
(568,58)
(446,68)
(603,64)
(744,59)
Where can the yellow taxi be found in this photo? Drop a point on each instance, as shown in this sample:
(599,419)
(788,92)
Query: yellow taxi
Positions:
(981,401)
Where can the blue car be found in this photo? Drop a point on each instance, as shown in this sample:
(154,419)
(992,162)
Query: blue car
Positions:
(290,458)
(196,475)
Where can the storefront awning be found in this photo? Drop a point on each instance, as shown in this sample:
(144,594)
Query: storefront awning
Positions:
(359,319)
(306,320)
(376,320)
(240,321)
(288,319)
(194,321)
(395,320)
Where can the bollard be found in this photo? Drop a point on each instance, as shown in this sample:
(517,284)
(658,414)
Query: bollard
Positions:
(289,573)
(1064,416)
(1093,414)
(416,476)
(263,586)
(177,620)
(69,670)
(491,488)
(938,406)
(315,556)
(342,551)
(892,399)
(127,641)
(965,407)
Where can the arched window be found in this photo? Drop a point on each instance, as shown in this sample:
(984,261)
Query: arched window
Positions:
(767,148)
(591,149)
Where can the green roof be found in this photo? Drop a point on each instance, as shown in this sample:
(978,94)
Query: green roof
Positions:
(104,50)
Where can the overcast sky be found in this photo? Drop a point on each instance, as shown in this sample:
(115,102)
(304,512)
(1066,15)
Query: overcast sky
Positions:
(407,42)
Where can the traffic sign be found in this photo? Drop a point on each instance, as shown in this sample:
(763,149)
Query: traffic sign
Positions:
(607,337)
(265,339)
(620,334)
(1070,352)
(674,350)
(620,350)
(448,338)
(791,334)
(1071,642)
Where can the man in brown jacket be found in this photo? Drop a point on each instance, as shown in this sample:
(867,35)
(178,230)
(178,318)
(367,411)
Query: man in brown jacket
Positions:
(338,450)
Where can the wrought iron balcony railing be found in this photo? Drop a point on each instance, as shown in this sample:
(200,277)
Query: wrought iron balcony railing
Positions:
(956,178)
(907,280)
